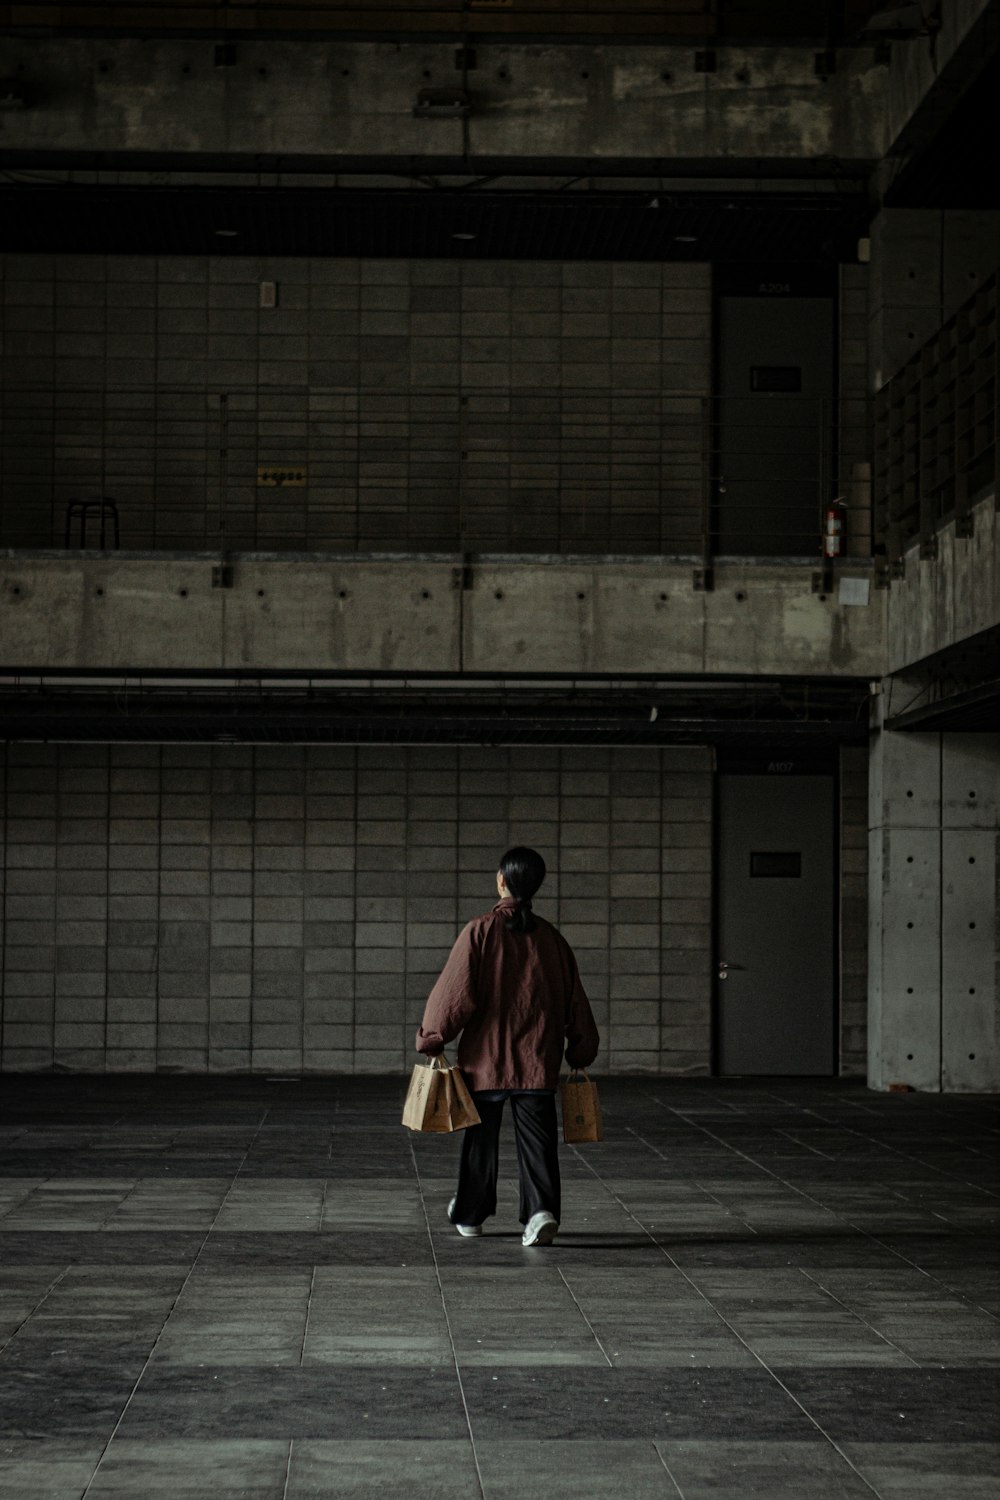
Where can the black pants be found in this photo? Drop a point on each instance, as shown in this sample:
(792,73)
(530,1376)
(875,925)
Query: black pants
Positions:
(537,1137)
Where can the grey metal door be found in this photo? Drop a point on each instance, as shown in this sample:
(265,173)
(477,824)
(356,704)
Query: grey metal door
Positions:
(776,360)
(776,959)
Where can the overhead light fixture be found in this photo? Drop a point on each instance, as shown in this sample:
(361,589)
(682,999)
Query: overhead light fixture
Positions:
(463,234)
(686,239)
(226,234)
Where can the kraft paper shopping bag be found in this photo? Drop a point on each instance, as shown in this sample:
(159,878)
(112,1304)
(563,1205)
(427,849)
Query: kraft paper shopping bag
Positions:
(437,1100)
(581,1109)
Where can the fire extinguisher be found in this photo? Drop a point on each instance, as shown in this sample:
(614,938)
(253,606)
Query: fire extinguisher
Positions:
(835,528)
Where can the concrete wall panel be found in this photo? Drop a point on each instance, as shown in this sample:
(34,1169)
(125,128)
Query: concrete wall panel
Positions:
(933,885)
(970,770)
(531,101)
(941,601)
(970,1033)
(911,924)
(373,618)
(539,622)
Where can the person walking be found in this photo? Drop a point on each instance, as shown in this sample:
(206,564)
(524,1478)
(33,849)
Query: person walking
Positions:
(511,986)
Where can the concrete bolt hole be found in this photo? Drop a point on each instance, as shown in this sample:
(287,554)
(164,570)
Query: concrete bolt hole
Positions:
(972,989)
(581,594)
(909,989)
(498,594)
(909,794)
(972,859)
(260,593)
(740,596)
(909,924)
(971,925)
(425,593)
(183,593)
(909,859)
(909,1057)
(341,593)
(972,1057)
(972,794)
(99,592)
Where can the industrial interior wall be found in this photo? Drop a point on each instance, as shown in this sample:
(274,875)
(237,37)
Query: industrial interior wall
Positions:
(243,908)
(258,908)
(538,404)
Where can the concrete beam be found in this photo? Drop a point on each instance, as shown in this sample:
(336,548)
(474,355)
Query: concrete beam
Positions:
(413,615)
(353,102)
(950,598)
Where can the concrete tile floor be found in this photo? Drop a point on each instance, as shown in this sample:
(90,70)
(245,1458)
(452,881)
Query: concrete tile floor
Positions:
(243,1287)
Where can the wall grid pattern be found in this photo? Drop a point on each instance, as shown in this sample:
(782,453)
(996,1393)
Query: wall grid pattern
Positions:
(254,908)
(499,403)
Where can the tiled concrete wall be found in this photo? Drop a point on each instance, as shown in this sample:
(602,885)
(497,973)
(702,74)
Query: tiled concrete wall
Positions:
(502,403)
(854,910)
(285,908)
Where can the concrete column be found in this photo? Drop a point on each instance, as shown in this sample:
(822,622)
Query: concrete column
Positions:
(932,1019)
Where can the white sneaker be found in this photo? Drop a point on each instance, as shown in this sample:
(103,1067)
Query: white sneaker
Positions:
(468,1230)
(541,1229)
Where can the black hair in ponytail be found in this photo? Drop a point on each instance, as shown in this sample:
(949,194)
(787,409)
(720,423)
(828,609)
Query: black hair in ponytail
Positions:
(523,871)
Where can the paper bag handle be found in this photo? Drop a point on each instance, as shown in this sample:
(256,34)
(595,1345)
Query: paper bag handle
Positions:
(438,1061)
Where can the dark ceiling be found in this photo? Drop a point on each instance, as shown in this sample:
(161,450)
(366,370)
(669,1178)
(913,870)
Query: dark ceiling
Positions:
(822,21)
(76,219)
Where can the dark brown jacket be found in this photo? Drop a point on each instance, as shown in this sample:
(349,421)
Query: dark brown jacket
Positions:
(517,999)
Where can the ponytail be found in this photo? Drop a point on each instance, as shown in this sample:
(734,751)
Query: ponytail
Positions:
(523,871)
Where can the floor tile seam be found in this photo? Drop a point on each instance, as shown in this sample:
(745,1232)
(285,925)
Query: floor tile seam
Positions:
(806,1146)
(772,1374)
(850,1224)
(16,1202)
(669,1472)
(28,1316)
(111,1214)
(305,1326)
(166,1320)
(894,1150)
(858,1316)
(288,1469)
(584,1316)
(447,1321)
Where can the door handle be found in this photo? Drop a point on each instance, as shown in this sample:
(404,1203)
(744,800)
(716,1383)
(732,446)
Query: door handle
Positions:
(724,969)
